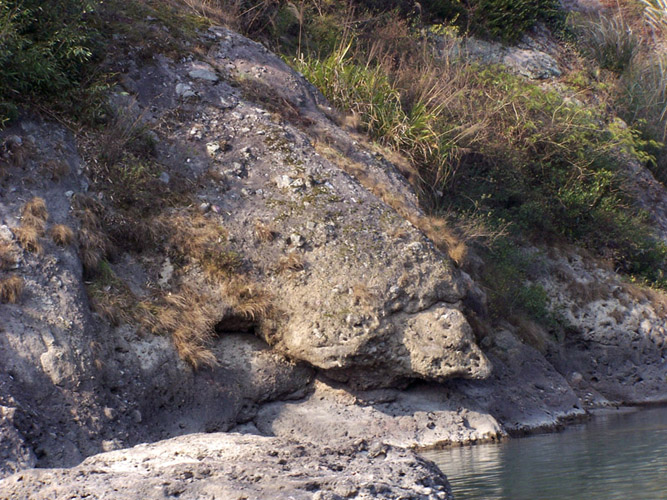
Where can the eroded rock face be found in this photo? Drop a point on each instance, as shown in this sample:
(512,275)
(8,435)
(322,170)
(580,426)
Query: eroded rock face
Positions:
(360,296)
(616,348)
(15,455)
(371,301)
(371,293)
(423,416)
(362,327)
(235,466)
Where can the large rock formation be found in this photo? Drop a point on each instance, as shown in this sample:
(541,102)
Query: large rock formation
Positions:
(367,338)
(373,302)
(234,466)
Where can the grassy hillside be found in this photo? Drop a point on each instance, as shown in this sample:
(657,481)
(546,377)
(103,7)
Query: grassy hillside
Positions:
(502,160)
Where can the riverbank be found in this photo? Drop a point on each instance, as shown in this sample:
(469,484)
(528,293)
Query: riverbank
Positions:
(594,459)
(224,274)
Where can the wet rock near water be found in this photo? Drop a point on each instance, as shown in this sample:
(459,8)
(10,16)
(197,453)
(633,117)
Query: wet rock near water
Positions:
(368,345)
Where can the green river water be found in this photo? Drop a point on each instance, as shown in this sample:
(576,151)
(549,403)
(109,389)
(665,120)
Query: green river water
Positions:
(619,455)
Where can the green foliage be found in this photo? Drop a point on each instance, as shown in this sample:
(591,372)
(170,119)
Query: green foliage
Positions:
(507,278)
(44,48)
(369,93)
(643,103)
(555,169)
(493,143)
(610,41)
(507,20)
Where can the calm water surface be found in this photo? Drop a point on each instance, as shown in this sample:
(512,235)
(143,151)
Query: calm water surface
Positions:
(615,456)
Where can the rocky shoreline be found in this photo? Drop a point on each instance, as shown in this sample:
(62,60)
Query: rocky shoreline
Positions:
(370,353)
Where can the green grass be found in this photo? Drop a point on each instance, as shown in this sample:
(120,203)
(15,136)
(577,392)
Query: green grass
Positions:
(495,143)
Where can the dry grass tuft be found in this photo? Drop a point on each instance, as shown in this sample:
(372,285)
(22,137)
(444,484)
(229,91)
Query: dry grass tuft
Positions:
(247,299)
(291,262)
(28,238)
(94,247)
(56,170)
(35,208)
(112,299)
(192,236)
(15,151)
(8,255)
(438,231)
(585,293)
(189,317)
(33,222)
(227,13)
(61,235)
(361,295)
(264,232)
(89,219)
(11,289)
(531,333)
(642,294)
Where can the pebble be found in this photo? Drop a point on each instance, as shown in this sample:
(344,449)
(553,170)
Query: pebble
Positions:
(136,416)
(203,74)
(184,90)
(110,413)
(297,240)
(213,148)
(227,103)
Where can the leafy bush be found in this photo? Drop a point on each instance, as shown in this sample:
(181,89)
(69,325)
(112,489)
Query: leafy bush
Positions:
(44,48)
(642,102)
(507,278)
(508,20)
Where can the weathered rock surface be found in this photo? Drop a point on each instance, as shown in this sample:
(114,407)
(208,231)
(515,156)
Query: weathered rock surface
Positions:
(534,57)
(616,346)
(373,302)
(72,386)
(235,466)
(523,393)
(367,307)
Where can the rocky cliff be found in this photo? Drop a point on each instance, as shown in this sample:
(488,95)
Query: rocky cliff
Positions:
(264,271)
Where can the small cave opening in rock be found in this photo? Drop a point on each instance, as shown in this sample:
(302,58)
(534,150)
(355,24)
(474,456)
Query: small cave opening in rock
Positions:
(236,323)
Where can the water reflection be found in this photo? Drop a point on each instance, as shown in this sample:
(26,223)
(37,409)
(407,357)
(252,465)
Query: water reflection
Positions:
(612,457)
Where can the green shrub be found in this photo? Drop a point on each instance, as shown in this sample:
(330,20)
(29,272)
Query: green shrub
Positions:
(642,102)
(44,48)
(608,40)
(491,142)
(507,278)
(508,20)
(505,20)
(368,92)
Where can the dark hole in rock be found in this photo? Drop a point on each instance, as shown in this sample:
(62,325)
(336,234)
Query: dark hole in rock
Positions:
(235,324)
